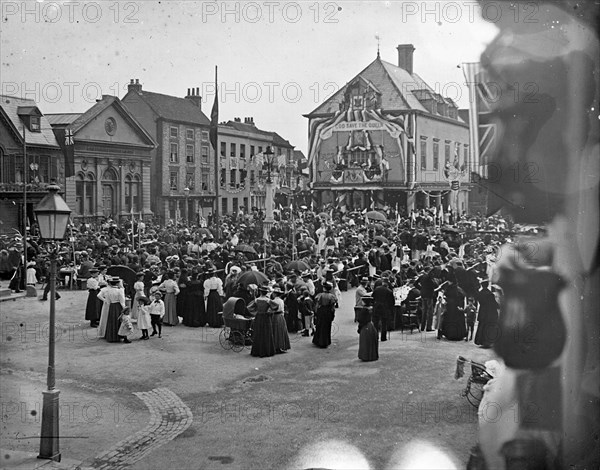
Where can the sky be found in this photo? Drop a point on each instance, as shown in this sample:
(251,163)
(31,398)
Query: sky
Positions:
(277,60)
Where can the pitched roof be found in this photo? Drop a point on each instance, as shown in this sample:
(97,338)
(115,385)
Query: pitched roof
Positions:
(63,119)
(394,83)
(173,108)
(10,105)
(273,137)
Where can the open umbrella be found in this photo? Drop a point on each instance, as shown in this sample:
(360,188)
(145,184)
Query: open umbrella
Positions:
(381,239)
(325,215)
(205,231)
(245,249)
(252,277)
(375,215)
(297,266)
(376,226)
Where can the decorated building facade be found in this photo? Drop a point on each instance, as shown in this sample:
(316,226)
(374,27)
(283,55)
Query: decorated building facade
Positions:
(111,156)
(243,171)
(25,130)
(387,138)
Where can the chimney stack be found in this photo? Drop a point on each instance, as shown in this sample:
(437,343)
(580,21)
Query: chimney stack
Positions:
(134,86)
(193,94)
(405,57)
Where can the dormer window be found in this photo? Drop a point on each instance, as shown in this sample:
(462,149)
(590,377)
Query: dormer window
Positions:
(34,124)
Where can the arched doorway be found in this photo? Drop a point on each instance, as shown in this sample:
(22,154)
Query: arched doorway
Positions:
(110,194)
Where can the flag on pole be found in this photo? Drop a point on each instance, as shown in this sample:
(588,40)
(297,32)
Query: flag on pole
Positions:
(69,153)
(214,119)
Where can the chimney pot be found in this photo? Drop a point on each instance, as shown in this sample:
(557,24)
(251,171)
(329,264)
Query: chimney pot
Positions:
(188,92)
(131,82)
(197,91)
(137,81)
(405,57)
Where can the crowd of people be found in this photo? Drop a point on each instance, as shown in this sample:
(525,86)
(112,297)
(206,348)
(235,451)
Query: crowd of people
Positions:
(187,272)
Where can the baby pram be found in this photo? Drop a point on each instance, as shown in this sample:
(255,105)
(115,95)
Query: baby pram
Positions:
(478,378)
(237,331)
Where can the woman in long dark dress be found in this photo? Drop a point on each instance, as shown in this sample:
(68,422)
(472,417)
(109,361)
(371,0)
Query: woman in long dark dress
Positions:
(280,332)
(454,326)
(213,293)
(262,328)
(487,329)
(92,312)
(193,307)
(182,297)
(291,316)
(368,341)
(325,304)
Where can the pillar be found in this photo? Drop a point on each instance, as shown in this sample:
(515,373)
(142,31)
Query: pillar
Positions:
(410,201)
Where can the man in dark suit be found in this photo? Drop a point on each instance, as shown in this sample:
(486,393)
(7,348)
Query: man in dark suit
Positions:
(383,307)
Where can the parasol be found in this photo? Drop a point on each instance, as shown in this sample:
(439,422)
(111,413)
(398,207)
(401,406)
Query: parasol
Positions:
(376,226)
(325,215)
(252,277)
(205,231)
(376,215)
(297,266)
(381,239)
(244,248)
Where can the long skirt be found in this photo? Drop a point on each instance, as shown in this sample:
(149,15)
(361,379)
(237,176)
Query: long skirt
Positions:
(454,327)
(170,317)
(322,336)
(113,323)
(281,339)
(214,305)
(368,343)
(262,336)
(92,313)
(194,313)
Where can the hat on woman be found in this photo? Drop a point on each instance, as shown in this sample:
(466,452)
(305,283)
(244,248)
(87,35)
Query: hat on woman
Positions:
(327,286)
(235,270)
(278,291)
(114,280)
(263,289)
(143,299)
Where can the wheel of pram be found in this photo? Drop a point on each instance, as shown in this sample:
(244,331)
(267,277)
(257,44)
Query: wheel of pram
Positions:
(237,340)
(224,338)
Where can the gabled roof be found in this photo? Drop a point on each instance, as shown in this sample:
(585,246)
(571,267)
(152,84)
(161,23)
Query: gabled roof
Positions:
(106,102)
(173,108)
(9,106)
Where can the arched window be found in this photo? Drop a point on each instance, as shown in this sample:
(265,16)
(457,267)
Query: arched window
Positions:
(133,192)
(85,194)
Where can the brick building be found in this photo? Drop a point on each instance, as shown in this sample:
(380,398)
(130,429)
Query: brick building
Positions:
(22,121)
(182,168)
(387,137)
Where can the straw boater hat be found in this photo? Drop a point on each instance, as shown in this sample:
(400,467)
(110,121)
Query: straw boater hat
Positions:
(263,289)
(114,280)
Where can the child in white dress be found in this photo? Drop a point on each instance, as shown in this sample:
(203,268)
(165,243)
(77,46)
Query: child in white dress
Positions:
(144,320)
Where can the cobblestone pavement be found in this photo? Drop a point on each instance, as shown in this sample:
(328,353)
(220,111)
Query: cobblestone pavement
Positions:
(169,418)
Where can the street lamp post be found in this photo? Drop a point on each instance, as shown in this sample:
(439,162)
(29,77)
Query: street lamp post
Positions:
(186,191)
(269,203)
(52,214)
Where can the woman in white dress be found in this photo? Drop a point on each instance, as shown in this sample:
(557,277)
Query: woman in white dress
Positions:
(138,287)
(114,303)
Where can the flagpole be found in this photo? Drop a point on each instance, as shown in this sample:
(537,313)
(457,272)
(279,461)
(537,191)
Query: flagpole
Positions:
(214,117)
